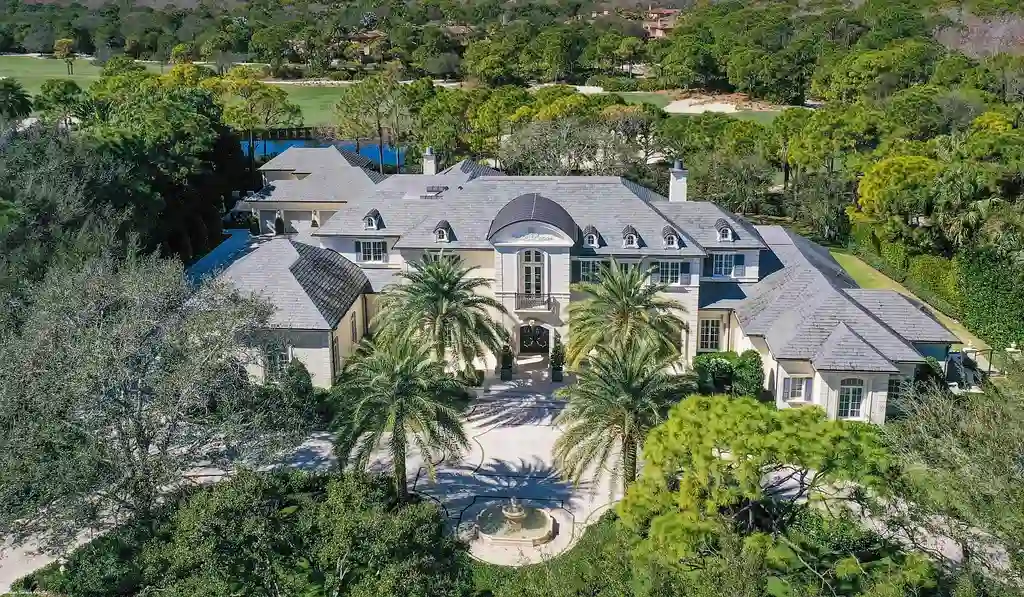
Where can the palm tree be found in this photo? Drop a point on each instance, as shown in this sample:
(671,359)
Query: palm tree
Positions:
(624,307)
(397,394)
(440,302)
(613,404)
(15,103)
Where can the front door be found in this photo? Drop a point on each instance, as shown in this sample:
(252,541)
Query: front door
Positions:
(534,339)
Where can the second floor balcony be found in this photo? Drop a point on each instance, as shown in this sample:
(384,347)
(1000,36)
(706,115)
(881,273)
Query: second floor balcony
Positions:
(533,302)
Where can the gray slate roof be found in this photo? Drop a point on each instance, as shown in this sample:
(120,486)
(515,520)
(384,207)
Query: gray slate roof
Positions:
(265,272)
(310,288)
(701,221)
(312,159)
(804,297)
(335,175)
(607,203)
(844,350)
(910,320)
(332,282)
(471,169)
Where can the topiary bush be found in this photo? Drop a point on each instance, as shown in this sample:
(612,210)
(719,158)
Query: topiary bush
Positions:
(714,371)
(748,374)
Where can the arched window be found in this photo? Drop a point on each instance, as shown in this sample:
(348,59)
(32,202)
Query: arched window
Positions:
(370,223)
(672,241)
(441,235)
(725,234)
(851,399)
(629,241)
(590,240)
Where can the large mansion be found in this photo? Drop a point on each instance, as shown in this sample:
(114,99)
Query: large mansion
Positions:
(336,233)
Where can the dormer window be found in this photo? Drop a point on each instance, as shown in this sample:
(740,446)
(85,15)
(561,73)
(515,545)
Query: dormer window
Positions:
(590,240)
(630,238)
(671,237)
(371,221)
(443,232)
(725,233)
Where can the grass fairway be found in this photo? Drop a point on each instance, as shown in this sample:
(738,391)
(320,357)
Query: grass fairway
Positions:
(317,103)
(33,72)
(643,97)
(868,277)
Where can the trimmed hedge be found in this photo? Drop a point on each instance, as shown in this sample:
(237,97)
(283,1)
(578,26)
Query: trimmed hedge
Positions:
(992,291)
(931,277)
(980,288)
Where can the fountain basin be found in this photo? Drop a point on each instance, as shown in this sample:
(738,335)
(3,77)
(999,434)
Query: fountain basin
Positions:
(534,527)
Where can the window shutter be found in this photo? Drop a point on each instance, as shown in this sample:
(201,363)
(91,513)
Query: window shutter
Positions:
(359,249)
(574,275)
(738,268)
(808,386)
(656,274)
(709,266)
(786,384)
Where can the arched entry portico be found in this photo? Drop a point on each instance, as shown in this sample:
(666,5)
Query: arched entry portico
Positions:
(534,339)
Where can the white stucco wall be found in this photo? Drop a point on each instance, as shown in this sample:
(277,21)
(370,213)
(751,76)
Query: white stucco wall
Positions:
(312,347)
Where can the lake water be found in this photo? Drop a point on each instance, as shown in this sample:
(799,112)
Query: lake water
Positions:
(267,148)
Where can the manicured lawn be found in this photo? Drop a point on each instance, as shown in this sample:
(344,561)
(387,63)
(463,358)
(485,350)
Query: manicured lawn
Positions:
(868,277)
(643,97)
(317,103)
(33,72)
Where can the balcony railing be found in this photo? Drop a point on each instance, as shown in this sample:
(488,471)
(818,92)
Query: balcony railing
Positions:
(534,302)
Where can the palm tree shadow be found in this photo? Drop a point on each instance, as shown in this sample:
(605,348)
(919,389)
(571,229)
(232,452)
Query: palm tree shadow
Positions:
(459,487)
(514,410)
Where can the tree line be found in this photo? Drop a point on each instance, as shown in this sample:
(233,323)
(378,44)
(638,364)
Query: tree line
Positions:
(767,49)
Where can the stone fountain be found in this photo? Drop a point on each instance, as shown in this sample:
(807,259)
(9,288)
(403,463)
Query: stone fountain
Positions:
(513,524)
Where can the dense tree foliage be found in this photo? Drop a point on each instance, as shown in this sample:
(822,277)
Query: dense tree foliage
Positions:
(122,382)
(284,533)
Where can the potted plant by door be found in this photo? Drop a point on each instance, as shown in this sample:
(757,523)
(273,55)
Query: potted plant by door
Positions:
(507,360)
(557,361)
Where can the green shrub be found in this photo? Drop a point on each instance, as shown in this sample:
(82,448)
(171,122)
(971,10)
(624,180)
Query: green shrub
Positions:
(748,374)
(714,371)
(651,85)
(613,83)
(557,355)
(895,254)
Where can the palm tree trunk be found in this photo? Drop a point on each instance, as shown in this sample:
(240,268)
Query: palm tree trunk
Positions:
(401,483)
(628,462)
